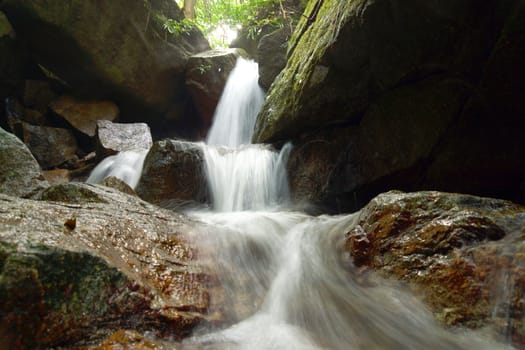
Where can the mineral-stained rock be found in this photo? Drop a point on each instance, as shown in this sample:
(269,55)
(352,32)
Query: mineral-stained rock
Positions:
(20,174)
(74,270)
(119,137)
(83,115)
(57,176)
(173,174)
(118,184)
(50,146)
(206,75)
(463,254)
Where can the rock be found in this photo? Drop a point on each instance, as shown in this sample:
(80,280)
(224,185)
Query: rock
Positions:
(462,254)
(130,57)
(206,75)
(118,137)
(399,106)
(83,115)
(13,57)
(57,176)
(118,184)
(271,52)
(38,95)
(173,174)
(20,174)
(74,272)
(50,146)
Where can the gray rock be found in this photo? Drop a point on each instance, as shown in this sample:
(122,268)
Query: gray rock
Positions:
(173,174)
(272,51)
(50,146)
(119,137)
(20,174)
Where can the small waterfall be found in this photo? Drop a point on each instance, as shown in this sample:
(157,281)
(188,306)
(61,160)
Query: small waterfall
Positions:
(241,101)
(126,166)
(242,176)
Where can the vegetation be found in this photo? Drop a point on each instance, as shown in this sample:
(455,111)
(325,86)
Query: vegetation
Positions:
(219,20)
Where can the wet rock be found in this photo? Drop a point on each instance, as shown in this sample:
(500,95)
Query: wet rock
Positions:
(118,137)
(462,254)
(20,174)
(206,75)
(271,51)
(173,174)
(83,115)
(50,146)
(74,271)
(131,57)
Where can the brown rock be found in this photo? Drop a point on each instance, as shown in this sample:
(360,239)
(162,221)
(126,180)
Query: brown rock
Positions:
(38,95)
(57,176)
(92,262)
(83,115)
(463,254)
(118,137)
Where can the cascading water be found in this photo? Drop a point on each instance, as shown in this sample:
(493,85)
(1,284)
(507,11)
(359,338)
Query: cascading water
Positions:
(288,283)
(127,166)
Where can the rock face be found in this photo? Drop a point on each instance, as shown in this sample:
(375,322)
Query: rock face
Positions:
(83,115)
(91,260)
(463,254)
(129,58)
(206,75)
(20,174)
(395,101)
(173,174)
(119,137)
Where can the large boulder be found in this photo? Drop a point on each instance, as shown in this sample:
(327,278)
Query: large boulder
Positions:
(173,174)
(400,105)
(20,173)
(119,50)
(89,261)
(463,254)
(206,76)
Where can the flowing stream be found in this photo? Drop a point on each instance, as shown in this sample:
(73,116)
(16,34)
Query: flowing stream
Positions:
(289,284)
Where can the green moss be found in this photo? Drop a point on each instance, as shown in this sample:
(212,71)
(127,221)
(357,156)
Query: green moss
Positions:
(5,26)
(307,47)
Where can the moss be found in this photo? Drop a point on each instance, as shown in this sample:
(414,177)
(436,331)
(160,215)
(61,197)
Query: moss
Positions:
(308,45)
(71,193)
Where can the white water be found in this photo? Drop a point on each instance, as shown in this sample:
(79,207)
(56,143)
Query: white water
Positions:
(126,166)
(237,110)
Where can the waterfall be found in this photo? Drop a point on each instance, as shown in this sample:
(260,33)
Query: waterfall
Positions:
(242,176)
(237,110)
(287,281)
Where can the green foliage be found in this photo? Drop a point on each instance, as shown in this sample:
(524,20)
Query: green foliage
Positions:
(250,15)
(179,27)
